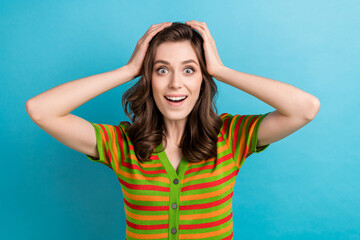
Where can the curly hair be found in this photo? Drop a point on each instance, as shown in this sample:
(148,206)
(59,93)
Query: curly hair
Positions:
(203,124)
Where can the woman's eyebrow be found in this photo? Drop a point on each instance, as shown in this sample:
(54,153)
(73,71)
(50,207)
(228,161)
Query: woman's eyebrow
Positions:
(165,62)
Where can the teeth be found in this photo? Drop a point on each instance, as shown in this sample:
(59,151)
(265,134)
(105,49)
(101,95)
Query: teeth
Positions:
(175,98)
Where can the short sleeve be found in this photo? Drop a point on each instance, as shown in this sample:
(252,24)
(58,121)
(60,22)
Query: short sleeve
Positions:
(240,133)
(110,142)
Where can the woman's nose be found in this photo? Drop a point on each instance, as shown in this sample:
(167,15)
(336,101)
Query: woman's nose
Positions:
(175,80)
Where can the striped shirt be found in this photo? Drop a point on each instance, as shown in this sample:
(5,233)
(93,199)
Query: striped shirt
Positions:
(193,202)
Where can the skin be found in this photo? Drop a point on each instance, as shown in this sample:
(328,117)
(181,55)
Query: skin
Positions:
(294,107)
(51,110)
(176,77)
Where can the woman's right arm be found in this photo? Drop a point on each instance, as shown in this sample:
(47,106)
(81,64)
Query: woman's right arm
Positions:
(50,110)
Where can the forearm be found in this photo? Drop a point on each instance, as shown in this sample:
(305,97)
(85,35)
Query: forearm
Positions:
(287,99)
(63,99)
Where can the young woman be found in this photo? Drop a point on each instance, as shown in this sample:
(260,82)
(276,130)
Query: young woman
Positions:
(177,161)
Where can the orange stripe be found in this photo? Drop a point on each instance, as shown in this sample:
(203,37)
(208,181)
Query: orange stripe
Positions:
(222,148)
(198,163)
(114,148)
(206,215)
(207,234)
(207,195)
(207,175)
(146,236)
(138,176)
(251,130)
(145,217)
(145,165)
(103,140)
(150,198)
(241,143)
(228,139)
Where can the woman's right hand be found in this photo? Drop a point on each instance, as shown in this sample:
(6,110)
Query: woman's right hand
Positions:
(142,45)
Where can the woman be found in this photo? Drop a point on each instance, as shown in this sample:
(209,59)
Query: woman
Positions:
(178,160)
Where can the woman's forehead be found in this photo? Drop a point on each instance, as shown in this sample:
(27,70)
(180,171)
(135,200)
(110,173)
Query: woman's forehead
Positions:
(175,52)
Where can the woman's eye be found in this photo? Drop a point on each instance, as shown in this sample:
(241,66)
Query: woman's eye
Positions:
(161,68)
(192,70)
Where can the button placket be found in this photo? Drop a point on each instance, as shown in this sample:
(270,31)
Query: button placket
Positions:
(174,193)
(174,210)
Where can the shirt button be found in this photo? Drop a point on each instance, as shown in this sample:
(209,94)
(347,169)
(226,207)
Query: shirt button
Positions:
(176,181)
(174,205)
(173,230)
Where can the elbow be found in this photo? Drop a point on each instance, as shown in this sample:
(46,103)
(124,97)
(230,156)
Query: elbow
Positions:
(30,110)
(312,109)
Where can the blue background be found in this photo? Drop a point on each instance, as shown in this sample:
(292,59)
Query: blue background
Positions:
(305,186)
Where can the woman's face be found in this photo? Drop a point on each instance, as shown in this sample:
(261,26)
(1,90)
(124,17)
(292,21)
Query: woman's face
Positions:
(176,72)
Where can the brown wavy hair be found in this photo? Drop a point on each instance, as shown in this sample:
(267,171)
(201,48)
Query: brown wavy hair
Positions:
(203,124)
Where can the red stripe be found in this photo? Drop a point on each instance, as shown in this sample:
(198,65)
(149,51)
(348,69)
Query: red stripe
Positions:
(208,184)
(245,152)
(210,166)
(144,187)
(228,237)
(154,157)
(146,208)
(121,143)
(223,130)
(132,167)
(147,227)
(250,137)
(131,147)
(206,205)
(205,225)
(107,141)
(236,132)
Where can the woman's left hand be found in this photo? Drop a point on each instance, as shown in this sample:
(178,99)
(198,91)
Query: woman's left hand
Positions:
(213,61)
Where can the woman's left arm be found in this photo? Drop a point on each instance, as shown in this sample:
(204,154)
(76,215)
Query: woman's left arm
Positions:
(294,107)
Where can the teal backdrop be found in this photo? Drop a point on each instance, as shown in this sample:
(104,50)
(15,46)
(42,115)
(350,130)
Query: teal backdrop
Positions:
(305,186)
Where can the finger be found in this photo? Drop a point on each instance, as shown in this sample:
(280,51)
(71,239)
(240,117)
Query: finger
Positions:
(158,27)
(203,29)
(192,21)
(151,32)
(155,30)
(161,24)
(203,26)
(197,26)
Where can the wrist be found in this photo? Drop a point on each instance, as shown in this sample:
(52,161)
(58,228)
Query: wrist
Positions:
(125,73)
(218,72)
(131,70)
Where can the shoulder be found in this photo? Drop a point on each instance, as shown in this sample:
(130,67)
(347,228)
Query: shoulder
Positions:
(226,122)
(124,125)
(228,117)
(225,116)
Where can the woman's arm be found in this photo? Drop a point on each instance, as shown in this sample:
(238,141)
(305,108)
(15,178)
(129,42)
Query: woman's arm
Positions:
(294,107)
(61,100)
(285,98)
(50,110)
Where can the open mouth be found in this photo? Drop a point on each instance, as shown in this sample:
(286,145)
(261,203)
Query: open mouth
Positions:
(175,99)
